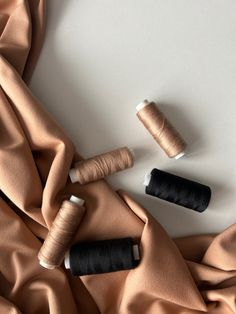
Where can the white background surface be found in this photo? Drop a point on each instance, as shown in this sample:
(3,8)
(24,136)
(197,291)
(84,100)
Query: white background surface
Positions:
(102,57)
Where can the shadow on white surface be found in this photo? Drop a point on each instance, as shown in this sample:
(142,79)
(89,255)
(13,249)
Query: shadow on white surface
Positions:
(64,95)
(88,77)
(177,220)
(183,123)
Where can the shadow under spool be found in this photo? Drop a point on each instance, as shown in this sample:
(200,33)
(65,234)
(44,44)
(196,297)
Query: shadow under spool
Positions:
(101,166)
(177,190)
(61,233)
(100,257)
(161,129)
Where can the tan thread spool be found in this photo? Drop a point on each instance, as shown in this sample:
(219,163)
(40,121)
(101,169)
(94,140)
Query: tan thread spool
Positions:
(102,166)
(62,232)
(161,129)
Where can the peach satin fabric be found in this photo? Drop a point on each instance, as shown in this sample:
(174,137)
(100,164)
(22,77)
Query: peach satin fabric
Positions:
(190,275)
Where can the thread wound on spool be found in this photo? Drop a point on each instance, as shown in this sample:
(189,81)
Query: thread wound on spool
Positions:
(61,233)
(103,256)
(161,129)
(100,166)
(181,191)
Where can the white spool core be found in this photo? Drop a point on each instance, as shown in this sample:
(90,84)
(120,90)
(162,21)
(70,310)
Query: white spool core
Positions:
(142,105)
(46,265)
(136,252)
(76,200)
(72,175)
(179,155)
(132,152)
(147,179)
(67,260)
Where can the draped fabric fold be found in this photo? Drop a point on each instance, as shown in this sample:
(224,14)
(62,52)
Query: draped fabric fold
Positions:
(190,275)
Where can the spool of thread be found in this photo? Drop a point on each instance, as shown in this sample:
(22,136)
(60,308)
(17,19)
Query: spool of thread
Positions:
(61,233)
(161,129)
(101,166)
(102,257)
(175,189)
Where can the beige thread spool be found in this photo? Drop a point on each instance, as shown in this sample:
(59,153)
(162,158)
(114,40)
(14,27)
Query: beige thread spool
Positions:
(161,129)
(101,166)
(61,234)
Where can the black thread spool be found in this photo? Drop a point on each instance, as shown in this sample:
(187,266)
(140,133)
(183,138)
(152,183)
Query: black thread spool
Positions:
(100,257)
(175,189)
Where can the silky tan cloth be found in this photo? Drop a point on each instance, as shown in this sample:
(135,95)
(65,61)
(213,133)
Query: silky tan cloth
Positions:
(189,275)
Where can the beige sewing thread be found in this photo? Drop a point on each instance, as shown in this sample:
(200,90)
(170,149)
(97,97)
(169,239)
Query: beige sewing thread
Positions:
(161,129)
(101,166)
(61,234)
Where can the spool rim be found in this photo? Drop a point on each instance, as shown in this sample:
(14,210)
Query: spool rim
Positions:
(132,152)
(72,175)
(67,260)
(147,179)
(76,200)
(136,252)
(180,155)
(142,105)
(46,265)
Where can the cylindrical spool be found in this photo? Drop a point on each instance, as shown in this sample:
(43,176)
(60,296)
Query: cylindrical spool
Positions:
(161,129)
(178,190)
(102,256)
(61,233)
(100,166)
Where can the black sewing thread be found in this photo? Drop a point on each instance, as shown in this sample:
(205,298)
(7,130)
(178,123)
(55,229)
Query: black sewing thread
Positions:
(102,257)
(180,191)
